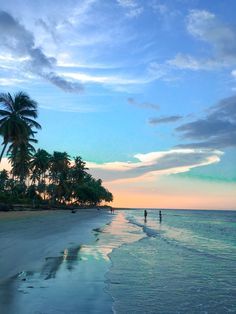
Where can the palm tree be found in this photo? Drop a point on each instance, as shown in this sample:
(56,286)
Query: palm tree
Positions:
(59,172)
(40,165)
(59,165)
(17,119)
(4,177)
(20,155)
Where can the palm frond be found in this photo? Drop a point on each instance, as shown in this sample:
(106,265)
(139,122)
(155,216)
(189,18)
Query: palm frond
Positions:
(23,101)
(4,112)
(28,113)
(32,123)
(6,101)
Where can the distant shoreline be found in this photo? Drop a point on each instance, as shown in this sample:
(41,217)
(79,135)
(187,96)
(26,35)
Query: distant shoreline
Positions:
(177,209)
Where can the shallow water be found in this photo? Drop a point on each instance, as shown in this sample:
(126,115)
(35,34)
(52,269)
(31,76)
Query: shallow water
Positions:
(185,264)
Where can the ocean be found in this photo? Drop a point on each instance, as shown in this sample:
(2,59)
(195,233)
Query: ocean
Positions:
(185,264)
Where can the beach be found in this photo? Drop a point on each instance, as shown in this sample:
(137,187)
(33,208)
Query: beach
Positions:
(35,245)
(94,261)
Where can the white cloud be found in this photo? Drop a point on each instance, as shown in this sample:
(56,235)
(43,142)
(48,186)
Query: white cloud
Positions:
(10,81)
(198,21)
(220,38)
(9,58)
(207,27)
(148,166)
(134,9)
(155,163)
(233,73)
(188,62)
(108,80)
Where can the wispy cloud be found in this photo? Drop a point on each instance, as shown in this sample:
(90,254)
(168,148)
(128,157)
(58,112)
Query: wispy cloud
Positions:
(164,162)
(168,119)
(159,7)
(20,43)
(10,81)
(221,38)
(108,80)
(233,73)
(134,9)
(146,105)
(188,62)
(205,26)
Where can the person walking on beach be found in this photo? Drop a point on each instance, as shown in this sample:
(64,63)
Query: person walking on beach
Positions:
(160,216)
(145,215)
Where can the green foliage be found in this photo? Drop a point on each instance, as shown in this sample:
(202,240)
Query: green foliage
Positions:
(17,122)
(37,177)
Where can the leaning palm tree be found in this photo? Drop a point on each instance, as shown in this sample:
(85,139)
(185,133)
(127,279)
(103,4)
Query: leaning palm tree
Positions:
(17,119)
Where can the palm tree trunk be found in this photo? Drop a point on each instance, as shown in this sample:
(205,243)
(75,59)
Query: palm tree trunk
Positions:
(3,150)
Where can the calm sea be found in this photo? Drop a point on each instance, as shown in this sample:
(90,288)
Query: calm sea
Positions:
(185,264)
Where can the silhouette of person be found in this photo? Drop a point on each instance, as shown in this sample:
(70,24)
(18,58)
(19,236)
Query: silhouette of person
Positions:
(160,216)
(145,215)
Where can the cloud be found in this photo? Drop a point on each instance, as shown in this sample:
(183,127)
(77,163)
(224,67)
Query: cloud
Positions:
(62,83)
(205,26)
(168,119)
(9,81)
(216,130)
(220,38)
(19,42)
(160,7)
(150,165)
(164,162)
(182,61)
(134,9)
(103,79)
(146,105)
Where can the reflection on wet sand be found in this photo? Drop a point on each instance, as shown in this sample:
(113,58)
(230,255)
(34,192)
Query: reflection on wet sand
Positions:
(115,233)
(71,257)
(76,268)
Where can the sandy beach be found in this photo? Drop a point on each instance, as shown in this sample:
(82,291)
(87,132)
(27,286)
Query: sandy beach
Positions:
(37,244)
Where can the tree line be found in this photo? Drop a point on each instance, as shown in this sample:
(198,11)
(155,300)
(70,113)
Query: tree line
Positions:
(37,177)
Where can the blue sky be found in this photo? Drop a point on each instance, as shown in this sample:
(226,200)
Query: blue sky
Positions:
(139,89)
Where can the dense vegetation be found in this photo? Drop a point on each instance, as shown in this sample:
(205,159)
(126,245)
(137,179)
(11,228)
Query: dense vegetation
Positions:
(38,178)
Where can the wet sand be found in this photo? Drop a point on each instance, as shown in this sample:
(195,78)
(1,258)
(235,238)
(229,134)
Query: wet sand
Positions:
(39,272)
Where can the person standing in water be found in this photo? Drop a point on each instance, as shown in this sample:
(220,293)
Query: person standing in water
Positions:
(145,215)
(160,216)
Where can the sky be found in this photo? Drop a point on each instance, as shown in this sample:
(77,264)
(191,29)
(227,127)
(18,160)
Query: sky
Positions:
(143,91)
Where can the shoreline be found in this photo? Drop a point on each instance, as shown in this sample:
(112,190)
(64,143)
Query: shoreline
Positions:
(44,258)
(24,213)
(28,237)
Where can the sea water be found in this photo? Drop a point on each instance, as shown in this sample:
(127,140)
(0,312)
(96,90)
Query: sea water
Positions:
(184,264)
